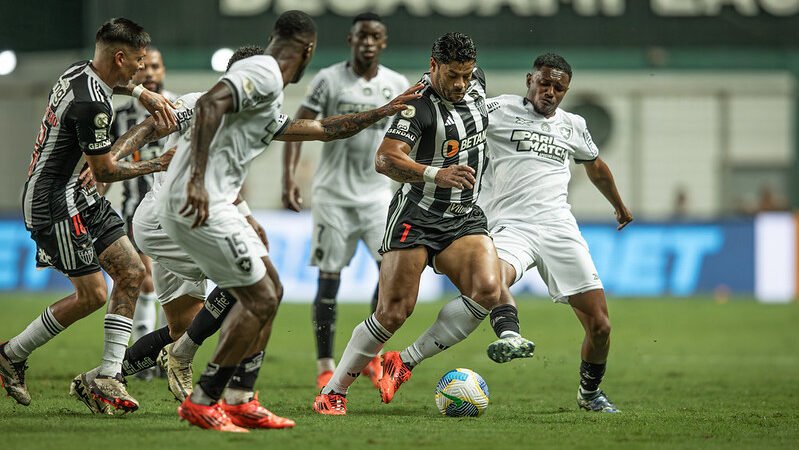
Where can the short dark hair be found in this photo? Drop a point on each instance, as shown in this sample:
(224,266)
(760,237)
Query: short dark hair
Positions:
(244,52)
(365,17)
(454,46)
(294,23)
(123,31)
(554,61)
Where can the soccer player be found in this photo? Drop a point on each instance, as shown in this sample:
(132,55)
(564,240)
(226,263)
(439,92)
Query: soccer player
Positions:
(350,198)
(532,141)
(436,148)
(233,123)
(134,190)
(74,228)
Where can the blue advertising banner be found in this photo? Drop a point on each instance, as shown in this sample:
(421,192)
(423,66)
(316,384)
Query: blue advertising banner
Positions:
(645,259)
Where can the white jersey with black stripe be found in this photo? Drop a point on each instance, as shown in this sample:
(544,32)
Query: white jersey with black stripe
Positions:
(528,173)
(257,87)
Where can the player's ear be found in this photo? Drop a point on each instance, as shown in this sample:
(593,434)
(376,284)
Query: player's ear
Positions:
(433,64)
(119,56)
(529,80)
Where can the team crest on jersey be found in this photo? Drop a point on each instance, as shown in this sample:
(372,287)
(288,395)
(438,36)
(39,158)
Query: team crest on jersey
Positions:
(546,127)
(367,91)
(101,120)
(409,112)
(387,94)
(566,132)
(86,255)
(480,103)
(244,264)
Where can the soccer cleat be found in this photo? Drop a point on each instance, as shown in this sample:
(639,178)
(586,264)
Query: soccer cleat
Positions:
(374,370)
(162,362)
(112,390)
(253,415)
(79,388)
(323,378)
(211,417)
(506,349)
(395,372)
(597,402)
(12,377)
(179,376)
(331,404)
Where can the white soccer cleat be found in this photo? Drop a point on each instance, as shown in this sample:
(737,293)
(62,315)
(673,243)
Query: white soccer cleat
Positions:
(179,375)
(79,389)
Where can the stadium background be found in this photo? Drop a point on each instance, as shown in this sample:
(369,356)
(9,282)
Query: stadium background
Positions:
(693,105)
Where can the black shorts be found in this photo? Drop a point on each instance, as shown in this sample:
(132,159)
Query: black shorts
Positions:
(67,243)
(410,226)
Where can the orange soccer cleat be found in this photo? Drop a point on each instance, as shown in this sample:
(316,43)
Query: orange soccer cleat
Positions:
(374,370)
(331,404)
(253,415)
(211,417)
(395,372)
(323,378)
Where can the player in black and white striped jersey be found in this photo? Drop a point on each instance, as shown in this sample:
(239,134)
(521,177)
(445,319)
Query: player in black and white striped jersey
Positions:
(437,149)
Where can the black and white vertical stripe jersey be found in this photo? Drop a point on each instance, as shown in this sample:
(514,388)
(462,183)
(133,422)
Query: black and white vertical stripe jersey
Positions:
(441,134)
(126,117)
(76,122)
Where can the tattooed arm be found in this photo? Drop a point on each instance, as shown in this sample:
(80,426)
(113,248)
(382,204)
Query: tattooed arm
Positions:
(345,125)
(140,135)
(392,160)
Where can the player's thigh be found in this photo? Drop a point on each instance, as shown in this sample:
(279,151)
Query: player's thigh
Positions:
(471,263)
(180,312)
(169,285)
(226,248)
(334,238)
(163,250)
(400,274)
(565,263)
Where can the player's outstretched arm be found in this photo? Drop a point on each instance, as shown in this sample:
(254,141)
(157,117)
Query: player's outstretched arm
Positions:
(106,169)
(392,160)
(149,130)
(291,157)
(208,114)
(154,102)
(600,175)
(345,125)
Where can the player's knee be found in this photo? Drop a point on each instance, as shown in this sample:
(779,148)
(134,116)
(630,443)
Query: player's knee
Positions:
(392,314)
(266,308)
(486,291)
(131,275)
(92,298)
(600,328)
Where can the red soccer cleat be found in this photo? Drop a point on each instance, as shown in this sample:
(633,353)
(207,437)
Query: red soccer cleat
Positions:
(211,417)
(395,372)
(374,370)
(323,378)
(330,404)
(253,415)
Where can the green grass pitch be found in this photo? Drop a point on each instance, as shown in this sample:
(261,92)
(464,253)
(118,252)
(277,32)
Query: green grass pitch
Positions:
(686,374)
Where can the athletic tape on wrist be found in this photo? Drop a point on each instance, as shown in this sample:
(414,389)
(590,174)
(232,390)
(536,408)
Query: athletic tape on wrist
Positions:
(136,92)
(429,175)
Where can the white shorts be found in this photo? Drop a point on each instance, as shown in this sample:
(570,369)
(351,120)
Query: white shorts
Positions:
(225,248)
(338,229)
(557,249)
(174,272)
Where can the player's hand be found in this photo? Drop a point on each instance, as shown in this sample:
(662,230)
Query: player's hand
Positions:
(259,230)
(457,176)
(196,202)
(398,104)
(623,216)
(86,177)
(159,107)
(166,158)
(291,195)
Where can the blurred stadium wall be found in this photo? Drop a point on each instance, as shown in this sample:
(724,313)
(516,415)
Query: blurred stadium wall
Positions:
(692,102)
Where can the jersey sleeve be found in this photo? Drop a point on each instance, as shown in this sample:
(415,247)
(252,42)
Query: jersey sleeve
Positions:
(585,150)
(480,76)
(184,110)
(408,125)
(318,94)
(92,126)
(279,125)
(252,82)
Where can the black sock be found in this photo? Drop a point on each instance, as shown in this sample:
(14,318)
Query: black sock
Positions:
(247,372)
(591,375)
(324,316)
(504,318)
(143,353)
(210,318)
(214,379)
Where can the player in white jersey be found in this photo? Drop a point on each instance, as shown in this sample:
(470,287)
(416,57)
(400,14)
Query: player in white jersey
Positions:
(350,199)
(234,122)
(126,116)
(532,142)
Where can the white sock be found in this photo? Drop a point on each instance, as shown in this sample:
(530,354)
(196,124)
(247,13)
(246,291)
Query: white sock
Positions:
(143,316)
(184,348)
(508,333)
(41,330)
(325,364)
(117,335)
(456,320)
(199,396)
(366,341)
(237,396)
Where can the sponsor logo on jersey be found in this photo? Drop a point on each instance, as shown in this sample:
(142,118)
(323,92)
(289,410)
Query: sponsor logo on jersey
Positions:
(459,208)
(397,132)
(101,120)
(542,144)
(589,141)
(409,112)
(184,115)
(100,134)
(99,145)
(449,122)
(451,147)
(493,106)
(523,121)
(403,125)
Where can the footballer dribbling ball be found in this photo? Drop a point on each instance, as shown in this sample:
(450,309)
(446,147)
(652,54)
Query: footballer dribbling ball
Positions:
(461,393)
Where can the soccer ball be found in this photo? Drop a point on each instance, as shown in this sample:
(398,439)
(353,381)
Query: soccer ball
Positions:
(461,393)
